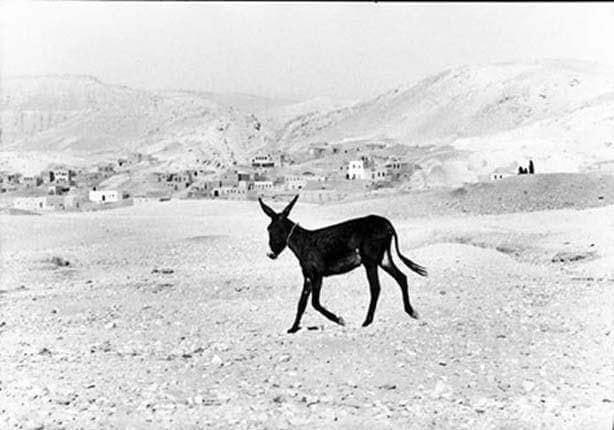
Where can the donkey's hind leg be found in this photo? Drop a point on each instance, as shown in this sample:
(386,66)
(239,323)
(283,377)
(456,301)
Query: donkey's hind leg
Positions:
(375,289)
(388,265)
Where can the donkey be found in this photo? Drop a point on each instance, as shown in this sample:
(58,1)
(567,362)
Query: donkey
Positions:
(339,249)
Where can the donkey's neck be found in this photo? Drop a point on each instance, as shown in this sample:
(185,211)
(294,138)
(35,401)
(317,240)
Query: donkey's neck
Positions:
(297,238)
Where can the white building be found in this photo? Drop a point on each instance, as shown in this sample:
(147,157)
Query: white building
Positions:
(263,185)
(104,196)
(42,203)
(230,192)
(499,174)
(356,170)
(294,182)
(606,166)
(31,203)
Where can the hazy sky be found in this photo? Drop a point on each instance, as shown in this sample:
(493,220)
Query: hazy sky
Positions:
(342,50)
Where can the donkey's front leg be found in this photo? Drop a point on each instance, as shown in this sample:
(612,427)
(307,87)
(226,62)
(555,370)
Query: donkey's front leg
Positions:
(302,303)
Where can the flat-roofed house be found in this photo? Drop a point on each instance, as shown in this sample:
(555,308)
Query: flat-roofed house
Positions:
(262,161)
(294,182)
(104,196)
(31,203)
(356,170)
(378,174)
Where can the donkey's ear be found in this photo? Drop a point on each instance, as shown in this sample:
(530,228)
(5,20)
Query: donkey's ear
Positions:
(288,208)
(267,210)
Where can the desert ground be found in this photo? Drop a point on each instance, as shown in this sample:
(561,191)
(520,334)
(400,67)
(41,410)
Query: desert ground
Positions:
(169,315)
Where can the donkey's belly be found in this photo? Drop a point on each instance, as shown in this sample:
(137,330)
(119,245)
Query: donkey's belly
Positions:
(343,264)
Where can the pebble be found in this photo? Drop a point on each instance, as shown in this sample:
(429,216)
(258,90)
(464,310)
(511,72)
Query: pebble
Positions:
(441,390)
(216,360)
(528,386)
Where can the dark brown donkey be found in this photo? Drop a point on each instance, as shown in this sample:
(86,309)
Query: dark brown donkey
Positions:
(338,249)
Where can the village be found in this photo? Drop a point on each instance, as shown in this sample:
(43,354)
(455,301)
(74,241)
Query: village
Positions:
(322,173)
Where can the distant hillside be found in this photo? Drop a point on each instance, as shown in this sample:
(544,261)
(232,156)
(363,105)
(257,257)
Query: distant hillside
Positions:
(79,116)
(557,112)
(457,125)
(258,105)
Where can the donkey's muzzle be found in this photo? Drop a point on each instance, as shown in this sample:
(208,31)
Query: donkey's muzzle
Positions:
(272,255)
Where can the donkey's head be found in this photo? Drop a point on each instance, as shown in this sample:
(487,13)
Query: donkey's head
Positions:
(279,229)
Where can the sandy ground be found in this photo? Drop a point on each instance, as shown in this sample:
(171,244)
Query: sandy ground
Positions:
(170,316)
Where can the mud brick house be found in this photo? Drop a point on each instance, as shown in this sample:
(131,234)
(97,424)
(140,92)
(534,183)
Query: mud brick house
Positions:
(31,181)
(294,182)
(378,174)
(262,161)
(107,169)
(179,180)
(230,178)
(57,189)
(318,150)
(9,181)
(62,176)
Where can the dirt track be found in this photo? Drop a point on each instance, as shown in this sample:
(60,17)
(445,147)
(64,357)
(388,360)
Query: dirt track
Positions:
(170,316)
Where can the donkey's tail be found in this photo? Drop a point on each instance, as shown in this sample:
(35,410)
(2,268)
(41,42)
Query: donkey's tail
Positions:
(413,266)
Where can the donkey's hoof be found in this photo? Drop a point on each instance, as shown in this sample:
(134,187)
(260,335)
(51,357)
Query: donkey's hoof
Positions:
(412,313)
(293,329)
(340,321)
(366,323)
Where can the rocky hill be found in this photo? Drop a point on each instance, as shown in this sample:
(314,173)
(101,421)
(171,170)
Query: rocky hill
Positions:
(80,117)
(556,112)
(458,125)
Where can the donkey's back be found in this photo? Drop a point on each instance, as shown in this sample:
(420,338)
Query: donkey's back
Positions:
(363,228)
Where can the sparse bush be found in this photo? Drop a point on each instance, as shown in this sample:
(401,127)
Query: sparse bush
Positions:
(461,191)
(531,167)
(59,262)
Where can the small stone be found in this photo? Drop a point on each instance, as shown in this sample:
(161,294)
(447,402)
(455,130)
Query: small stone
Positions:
(59,262)
(44,351)
(442,390)
(528,386)
(388,387)
(216,360)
